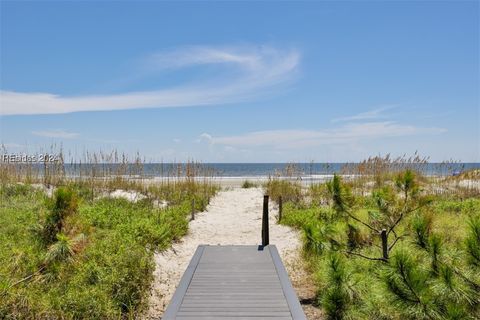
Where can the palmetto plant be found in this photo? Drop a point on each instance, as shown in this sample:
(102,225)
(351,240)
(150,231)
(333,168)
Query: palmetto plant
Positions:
(60,247)
(63,204)
(63,250)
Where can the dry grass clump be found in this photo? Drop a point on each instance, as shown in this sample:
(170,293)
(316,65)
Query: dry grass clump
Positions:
(285,184)
(375,171)
(445,178)
(449,179)
(99,173)
(288,190)
(248,184)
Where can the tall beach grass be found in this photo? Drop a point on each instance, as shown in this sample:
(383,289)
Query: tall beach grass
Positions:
(70,250)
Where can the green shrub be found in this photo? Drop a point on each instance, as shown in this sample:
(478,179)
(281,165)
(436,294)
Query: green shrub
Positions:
(131,277)
(63,204)
(60,251)
(98,263)
(298,217)
(17,189)
(431,274)
(248,184)
(318,193)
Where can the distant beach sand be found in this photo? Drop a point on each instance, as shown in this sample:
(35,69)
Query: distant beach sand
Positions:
(235,182)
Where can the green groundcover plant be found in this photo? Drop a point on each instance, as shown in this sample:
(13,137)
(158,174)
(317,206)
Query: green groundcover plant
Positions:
(74,257)
(395,252)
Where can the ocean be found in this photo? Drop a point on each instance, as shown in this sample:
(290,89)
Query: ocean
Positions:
(312,169)
(257,170)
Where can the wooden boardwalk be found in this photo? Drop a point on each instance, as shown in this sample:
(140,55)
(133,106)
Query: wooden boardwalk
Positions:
(235,282)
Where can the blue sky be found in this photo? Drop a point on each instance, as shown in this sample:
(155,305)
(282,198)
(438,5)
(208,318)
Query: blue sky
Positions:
(242,81)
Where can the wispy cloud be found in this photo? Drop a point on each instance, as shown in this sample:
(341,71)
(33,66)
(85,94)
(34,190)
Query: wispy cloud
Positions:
(256,71)
(204,137)
(201,55)
(61,134)
(296,139)
(368,115)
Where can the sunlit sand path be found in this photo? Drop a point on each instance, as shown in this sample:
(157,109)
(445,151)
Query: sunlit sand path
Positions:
(233,217)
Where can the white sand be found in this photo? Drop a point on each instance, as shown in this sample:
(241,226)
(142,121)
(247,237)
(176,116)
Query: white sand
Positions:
(48,190)
(469,183)
(131,196)
(236,182)
(233,217)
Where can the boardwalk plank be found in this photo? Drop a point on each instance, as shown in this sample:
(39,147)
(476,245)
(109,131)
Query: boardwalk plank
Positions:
(235,282)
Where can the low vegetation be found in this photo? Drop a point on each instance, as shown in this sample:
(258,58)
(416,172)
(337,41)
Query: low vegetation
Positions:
(70,257)
(247,184)
(389,247)
(81,254)
(382,241)
(287,190)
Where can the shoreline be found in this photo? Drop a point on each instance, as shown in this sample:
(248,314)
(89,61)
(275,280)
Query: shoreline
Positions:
(258,181)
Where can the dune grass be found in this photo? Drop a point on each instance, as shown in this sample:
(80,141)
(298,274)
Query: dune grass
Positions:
(99,263)
(80,254)
(247,184)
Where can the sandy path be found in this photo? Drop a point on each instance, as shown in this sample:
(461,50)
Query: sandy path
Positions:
(233,217)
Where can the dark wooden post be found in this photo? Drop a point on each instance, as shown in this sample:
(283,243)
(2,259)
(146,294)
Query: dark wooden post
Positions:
(383,234)
(193,209)
(265,233)
(280,208)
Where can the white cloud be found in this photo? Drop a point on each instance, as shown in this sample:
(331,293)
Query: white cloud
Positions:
(204,137)
(369,115)
(258,71)
(200,55)
(297,139)
(61,134)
